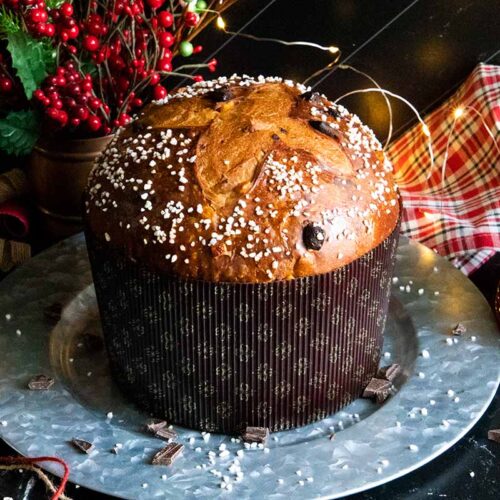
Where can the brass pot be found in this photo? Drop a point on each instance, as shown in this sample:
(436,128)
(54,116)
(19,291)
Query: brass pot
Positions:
(58,172)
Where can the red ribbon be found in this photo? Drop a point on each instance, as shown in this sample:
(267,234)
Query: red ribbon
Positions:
(35,460)
(14,219)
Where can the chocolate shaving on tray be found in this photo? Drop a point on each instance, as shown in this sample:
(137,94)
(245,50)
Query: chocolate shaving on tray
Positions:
(389,372)
(494,435)
(40,383)
(459,329)
(154,426)
(82,445)
(168,455)
(255,435)
(159,429)
(166,433)
(378,389)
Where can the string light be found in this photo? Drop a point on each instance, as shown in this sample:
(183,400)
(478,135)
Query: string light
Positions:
(458,113)
(221,24)
(425,128)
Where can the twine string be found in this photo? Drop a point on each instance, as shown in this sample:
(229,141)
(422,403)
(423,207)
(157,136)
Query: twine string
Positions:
(12,463)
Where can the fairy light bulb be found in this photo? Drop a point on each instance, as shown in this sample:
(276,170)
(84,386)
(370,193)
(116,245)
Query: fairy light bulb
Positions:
(333,50)
(221,24)
(458,112)
(425,130)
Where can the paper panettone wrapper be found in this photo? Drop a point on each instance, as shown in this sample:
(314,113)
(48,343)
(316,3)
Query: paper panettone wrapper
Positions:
(221,356)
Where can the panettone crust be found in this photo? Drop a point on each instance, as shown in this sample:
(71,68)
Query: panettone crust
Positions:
(243,180)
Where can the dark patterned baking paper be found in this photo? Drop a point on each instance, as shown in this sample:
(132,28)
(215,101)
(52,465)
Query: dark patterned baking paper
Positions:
(220,357)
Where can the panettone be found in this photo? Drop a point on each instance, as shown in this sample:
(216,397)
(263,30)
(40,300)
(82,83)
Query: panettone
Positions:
(243,180)
(242,235)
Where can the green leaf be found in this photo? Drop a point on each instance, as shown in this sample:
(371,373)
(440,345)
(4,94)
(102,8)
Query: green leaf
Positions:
(9,22)
(32,59)
(54,4)
(88,67)
(19,131)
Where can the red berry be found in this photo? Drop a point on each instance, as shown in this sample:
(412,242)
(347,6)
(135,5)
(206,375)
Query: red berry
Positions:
(66,9)
(166,39)
(154,78)
(75,122)
(62,118)
(159,92)
(50,30)
(137,102)
(73,31)
(197,49)
(53,113)
(197,78)
(82,113)
(212,65)
(94,123)
(91,43)
(60,81)
(155,4)
(5,84)
(164,64)
(191,19)
(123,119)
(40,29)
(166,19)
(39,95)
(86,86)
(167,54)
(38,15)
(95,102)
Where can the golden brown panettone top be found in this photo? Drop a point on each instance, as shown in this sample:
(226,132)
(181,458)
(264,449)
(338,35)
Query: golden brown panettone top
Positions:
(243,179)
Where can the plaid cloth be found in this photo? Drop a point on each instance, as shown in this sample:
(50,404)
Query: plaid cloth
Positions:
(460,218)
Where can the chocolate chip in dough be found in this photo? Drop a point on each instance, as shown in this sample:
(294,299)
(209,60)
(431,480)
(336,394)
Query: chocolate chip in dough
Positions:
(313,236)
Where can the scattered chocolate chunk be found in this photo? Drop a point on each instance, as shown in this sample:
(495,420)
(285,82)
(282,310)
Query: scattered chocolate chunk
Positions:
(333,112)
(154,426)
(53,312)
(494,435)
(220,95)
(324,128)
(389,372)
(283,130)
(378,389)
(313,236)
(168,455)
(275,137)
(159,429)
(165,433)
(138,126)
(255,435)
(83,446)
(311,96)
(40,383)
(459,329)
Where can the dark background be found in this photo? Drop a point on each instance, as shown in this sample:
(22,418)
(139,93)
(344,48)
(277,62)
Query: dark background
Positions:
(420,49)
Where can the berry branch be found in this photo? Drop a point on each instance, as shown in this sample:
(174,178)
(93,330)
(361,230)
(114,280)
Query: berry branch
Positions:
(103,60)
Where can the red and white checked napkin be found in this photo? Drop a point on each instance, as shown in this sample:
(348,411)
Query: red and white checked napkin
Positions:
(460,218)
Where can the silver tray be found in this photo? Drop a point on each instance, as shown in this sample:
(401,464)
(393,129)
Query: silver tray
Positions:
(447,384)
